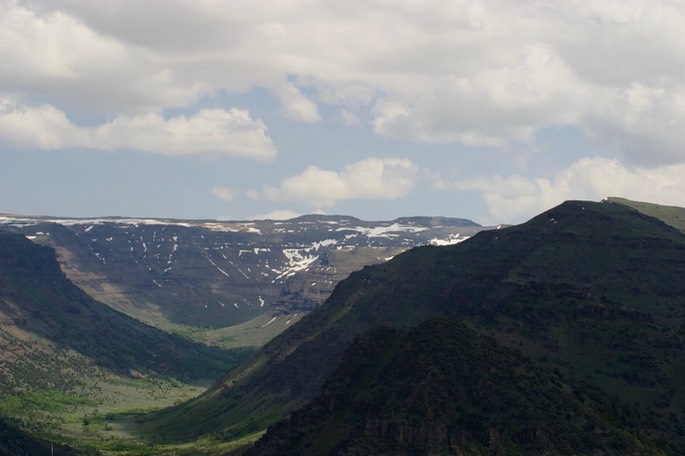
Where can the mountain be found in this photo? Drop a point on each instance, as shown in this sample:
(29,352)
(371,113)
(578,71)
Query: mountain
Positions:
(37,298)
(442,388)
(215,274)
(60,350)
(15,442)
(671,215)
(593,290)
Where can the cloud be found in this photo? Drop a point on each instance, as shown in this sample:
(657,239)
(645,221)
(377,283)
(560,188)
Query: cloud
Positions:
(349,118)
(295,105)
(516,198)
(48,52)
(224,193)
(210,131)
(483,73)
(373,178)
(643,121)
(491,107)
(282,214)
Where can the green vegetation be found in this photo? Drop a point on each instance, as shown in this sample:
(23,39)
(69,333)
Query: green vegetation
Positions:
(251,334)
(442,388)
(671,215)
(68,362)
(14,441)
(39,299)
(560,335)
(591,289)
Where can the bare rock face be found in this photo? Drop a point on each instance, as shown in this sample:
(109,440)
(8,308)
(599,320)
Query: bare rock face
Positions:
(215,274)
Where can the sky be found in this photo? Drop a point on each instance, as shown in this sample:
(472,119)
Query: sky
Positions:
(230,109)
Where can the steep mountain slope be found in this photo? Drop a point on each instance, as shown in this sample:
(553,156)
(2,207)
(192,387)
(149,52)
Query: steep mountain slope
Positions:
(15,442)
(36,298)
(215,274)
(442,388)
(63,354)
(592,289)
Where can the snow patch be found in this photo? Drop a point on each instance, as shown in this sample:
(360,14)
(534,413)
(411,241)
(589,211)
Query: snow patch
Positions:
(270,321)
(233,227)
(451,240)
(296,262)
(324,243)
(220,270)
(388,231)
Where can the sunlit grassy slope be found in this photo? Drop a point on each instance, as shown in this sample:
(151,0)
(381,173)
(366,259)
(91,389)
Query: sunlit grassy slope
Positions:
(671,215)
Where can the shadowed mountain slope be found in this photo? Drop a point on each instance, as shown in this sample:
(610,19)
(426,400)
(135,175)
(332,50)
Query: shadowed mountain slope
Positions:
(36,298)
(592,289)
(15,442)
(441,388)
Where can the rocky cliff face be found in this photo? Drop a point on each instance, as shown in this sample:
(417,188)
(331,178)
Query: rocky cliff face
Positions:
(214,274)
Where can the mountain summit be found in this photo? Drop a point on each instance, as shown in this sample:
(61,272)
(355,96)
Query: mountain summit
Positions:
(593,290)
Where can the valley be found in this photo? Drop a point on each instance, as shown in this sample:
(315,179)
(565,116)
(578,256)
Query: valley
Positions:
(562,335)
(231,286)
(591,291)
(183,275)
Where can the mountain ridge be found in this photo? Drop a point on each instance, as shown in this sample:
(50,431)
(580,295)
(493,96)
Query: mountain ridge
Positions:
(222,273)
(568,287)
(39,298)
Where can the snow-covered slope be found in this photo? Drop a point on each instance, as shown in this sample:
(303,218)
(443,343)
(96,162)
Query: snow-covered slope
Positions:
(216,273)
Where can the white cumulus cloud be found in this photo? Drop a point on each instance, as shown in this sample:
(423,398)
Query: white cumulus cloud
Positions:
(210,131)
(373,178)
(516,198)
(295,105)
(490,73)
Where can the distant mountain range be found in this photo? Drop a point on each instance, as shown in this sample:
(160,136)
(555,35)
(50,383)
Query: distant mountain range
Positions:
(590,295)
(215,274)
(563,335)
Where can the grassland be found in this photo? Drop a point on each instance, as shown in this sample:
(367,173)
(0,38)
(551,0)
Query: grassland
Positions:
(670,215)
(64,396)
